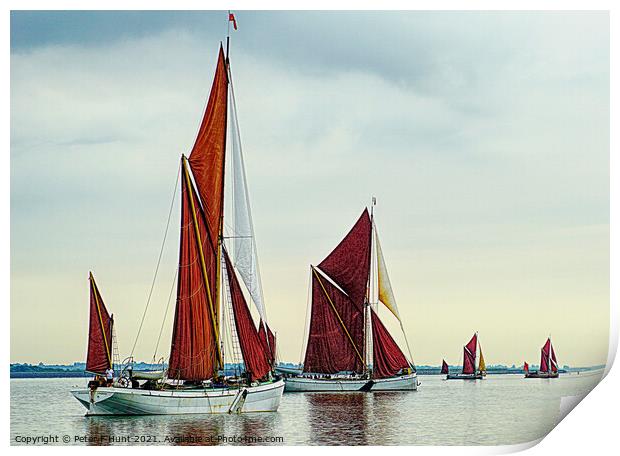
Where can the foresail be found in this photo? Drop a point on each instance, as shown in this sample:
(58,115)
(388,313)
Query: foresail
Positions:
(194,350)
(255,358)
(386,294)
(482,367)
(268,340)
(388,358)
(99,356)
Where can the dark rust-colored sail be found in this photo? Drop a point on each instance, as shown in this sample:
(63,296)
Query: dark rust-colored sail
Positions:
(194,350)
(545,356)
(268,341)
(99,356)
(336,333)
(348,265)
(469,355)
(255,358)
(207,157)
(388,358)
(444,367)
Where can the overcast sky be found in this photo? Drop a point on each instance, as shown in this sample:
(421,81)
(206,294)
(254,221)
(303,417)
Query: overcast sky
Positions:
(484,137)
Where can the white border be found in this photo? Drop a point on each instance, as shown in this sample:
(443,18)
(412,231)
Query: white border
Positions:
(592,428)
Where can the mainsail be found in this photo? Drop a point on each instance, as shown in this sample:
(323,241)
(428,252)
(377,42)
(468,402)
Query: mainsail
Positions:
(526,367)
(336,333)
(194,353)
(444,367)
(99,356)
(255,358)
(544,356)
(469,355)
(388,359)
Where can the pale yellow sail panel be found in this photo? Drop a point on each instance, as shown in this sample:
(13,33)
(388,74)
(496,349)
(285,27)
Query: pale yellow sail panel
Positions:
(482,367)
(386,295)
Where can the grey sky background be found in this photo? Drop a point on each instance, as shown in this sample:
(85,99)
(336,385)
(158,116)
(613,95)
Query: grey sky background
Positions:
(484,136)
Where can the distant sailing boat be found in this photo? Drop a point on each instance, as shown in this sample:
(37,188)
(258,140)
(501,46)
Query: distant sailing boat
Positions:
(444,367)
(100,356)
(469,371)
(195,381)
(548,363)
(339,348)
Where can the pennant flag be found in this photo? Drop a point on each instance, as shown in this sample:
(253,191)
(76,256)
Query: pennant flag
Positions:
(231,18)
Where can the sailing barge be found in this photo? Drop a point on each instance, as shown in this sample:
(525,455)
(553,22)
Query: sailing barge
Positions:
(548,363)
(339,345)
(469,371)
(194,381)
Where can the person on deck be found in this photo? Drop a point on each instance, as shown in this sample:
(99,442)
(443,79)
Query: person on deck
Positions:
(109,375)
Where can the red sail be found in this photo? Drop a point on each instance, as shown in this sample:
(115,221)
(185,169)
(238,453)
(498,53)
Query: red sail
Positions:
(268,341)
(193,354)
(388,359)
(544,356)
(254,357)
(444,367)
(349,264)
(526,368)
(469,356)
(99,357)
(207,157)
(336,335)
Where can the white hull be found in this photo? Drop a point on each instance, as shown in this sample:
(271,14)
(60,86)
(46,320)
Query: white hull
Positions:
(126,401)
(305,384)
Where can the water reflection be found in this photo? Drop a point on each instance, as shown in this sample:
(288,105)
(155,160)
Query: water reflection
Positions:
(338,419)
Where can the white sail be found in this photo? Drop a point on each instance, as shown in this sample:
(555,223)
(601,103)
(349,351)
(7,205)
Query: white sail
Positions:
(245,256)
(386,295)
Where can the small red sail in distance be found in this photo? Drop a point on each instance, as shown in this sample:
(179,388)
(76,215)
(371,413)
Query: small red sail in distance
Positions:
(526,368)
(444,367)
(99,357)
(469,355)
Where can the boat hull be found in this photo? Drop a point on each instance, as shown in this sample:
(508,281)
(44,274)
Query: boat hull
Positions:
(542,375)
(127,401)
(305,384)
(464,377)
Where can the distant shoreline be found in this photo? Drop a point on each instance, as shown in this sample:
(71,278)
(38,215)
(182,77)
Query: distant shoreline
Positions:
(76,371)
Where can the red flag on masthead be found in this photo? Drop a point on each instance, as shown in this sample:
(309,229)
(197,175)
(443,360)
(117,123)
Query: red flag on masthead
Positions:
(231,18)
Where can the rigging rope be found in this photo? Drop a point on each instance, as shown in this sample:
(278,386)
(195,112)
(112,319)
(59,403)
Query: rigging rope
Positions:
(161,330)
(161,252)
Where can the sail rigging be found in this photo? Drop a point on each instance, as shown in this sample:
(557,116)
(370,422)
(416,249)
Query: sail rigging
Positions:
(255,358)
(388,358)
(100,330)
(469,355)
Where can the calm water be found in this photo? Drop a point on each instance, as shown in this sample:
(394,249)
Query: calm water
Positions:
(503,409)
